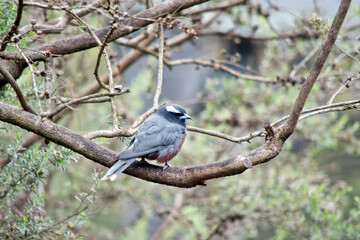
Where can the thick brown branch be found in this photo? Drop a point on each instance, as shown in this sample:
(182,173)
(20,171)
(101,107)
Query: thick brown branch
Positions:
(85,41)
(180,177)
(55,133)
(123,64)
(290,124)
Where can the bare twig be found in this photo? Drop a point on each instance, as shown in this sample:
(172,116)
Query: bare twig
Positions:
(341,106)
(301,64)
(290,124)
(320,109)
(32,74)
(102,45)
(214,7)
(49,74)
(225,136)
(333,109)
(111,81)
(122,133)
(160,62)
(46,6)
(233,35)
(101,51)
(216,66)
(83,99)
(345,84)
(348,54)
(57,25)
(17,89)
(6,39)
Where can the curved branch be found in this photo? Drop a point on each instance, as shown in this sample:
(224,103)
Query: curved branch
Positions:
(290,124)
(17,89)
(180,177)
(14,26)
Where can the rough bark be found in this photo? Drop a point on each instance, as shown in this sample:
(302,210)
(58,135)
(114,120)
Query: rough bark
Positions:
(179,177)
(315,71)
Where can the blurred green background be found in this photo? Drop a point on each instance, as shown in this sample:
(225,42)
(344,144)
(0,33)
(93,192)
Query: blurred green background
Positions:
(310,191)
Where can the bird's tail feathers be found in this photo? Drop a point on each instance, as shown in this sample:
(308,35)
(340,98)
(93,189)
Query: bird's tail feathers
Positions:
(117,168)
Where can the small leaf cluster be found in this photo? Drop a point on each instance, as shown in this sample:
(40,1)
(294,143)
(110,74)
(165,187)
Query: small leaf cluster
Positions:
(22,198)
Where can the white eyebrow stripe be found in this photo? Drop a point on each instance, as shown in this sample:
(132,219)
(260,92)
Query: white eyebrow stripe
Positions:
(171,108)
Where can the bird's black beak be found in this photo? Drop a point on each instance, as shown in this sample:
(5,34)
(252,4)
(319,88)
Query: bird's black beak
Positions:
(185,116)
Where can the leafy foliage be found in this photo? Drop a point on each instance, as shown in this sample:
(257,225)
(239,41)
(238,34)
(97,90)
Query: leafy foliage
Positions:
(7,16)
(22,198)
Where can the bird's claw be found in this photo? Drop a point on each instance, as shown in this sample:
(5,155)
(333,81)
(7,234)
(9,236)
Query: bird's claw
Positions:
(143,161)
(166,166)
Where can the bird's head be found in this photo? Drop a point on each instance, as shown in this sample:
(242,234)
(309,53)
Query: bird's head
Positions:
(173,113)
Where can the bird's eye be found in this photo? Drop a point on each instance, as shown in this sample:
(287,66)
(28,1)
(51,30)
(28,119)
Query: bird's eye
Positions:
(178,114)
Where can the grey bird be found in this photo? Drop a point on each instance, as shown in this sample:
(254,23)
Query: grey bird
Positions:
(160,138)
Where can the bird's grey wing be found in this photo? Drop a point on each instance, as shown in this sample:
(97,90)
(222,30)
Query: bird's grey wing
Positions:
(153,139)
(147,140)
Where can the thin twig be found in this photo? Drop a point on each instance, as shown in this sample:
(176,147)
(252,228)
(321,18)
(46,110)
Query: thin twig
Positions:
(307,113)
(83,99)
(225,136)
(111,80)
(160,68)
(333,109)
(290,125)
(345,84)
(310,112)
(348,54)
(93,35)
(101,51)
(303,62)
(102,45)
(6,39)
(215,65)
(122,133)
(320,109)
(215,7)
(15,86)
(46,6)
(33,76)
(49,74)
(233,35)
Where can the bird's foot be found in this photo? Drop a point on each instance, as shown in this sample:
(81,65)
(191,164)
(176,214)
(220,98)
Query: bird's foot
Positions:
(166,166)
(143,161)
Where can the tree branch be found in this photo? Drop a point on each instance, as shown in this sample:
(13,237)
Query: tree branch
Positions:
(123,64)
(85,41)
(180,177)
(161,64)
(290,124)
(6,39)
(17,90)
